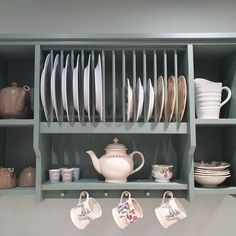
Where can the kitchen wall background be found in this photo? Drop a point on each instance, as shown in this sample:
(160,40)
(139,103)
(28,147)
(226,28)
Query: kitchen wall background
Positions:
(208,215)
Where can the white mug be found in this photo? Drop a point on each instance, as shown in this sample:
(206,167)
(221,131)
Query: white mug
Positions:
(170,212)
(127,212)
(54,175)
(85,212)
(76,173)
(67,175)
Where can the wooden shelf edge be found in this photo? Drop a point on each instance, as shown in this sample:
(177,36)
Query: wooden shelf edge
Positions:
(117,127)
(216,190)
(18,191)
(16,122)
(215,122)
(101,185)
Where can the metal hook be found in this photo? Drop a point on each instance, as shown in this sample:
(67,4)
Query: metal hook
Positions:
(148,194)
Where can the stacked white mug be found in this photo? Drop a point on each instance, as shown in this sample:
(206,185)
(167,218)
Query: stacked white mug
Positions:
(208,98)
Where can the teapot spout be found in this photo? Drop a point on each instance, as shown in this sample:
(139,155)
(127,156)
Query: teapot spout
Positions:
(21,100)
(95,160)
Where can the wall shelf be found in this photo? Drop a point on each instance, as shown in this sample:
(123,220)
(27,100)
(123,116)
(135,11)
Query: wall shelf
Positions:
(53,145)
(88,184)
(118,127)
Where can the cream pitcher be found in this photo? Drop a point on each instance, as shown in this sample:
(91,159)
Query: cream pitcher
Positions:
(116,165)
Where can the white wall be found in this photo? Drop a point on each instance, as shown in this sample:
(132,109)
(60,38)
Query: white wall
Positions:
(208,215)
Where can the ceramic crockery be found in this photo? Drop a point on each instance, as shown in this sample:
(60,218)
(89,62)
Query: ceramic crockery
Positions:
(127,212)
(171,96)
(182,96)
(210,181)
(116,165)
(54,175)
(7,178)
(86,211)
(87,88)
(162,173)
(170,211)
(159,99)
(140,99)
(208,98)
(67,175)
(129,101)
(76,173)
(150,99)
(76,100)
(27,177)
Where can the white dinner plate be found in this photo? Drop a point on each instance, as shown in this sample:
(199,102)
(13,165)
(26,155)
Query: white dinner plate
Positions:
(67,87)
(87,88)
(45,89)
(160,97)
(76,87)
(129,111)
(98,88)
(140,99)
(56,88)
(150,99)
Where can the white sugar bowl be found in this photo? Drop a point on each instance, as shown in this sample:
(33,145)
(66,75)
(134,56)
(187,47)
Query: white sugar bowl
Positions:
(162,173)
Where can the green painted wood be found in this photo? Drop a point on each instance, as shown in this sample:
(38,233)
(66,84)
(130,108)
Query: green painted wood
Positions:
(189,72)
(16,122)
(37,113)
(93,184)
(118,127)
(216,122)
(18,191)
(217,190)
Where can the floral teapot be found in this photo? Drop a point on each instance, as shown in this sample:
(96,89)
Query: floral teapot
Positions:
(116,165)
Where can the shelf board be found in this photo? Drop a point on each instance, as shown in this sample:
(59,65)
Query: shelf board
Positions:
(117,127)
(18,191)
(215,122)
(16,122)
(94,184)
(216,190)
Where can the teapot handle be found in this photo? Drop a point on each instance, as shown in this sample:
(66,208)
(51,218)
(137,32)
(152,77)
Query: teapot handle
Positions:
(142,159)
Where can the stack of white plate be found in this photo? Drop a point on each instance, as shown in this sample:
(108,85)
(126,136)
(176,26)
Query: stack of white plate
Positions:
(211,174)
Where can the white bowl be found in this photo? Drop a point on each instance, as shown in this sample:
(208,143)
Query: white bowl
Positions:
(210,181)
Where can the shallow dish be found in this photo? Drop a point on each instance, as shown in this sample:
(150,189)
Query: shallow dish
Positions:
(129,101)
(182,96)
(87,88)
(150,100)
(140,99)
(45,90)
(214,165)
(210,181)
(171,95)
(159,98)
(76,87)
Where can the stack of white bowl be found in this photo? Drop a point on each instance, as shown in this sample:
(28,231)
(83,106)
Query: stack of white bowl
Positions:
(208,98)
(211,174)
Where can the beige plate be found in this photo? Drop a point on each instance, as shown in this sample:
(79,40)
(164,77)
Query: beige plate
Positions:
(182,96)
(160,97)
(171,95)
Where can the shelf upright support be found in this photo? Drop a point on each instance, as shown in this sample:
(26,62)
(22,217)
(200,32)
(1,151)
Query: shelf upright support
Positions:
(37,113)
(72,61)
(123,83)
(176,85)
(113,85)
(103,86)
(165,84)
(61,114)
(82,83)
(93,85)
(144,84)
(155,83)
(134,85)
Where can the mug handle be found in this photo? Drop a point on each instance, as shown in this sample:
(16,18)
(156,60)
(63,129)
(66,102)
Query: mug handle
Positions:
(228,96)
(142,159)
(127,194)
(167,193)
(11,169)
(83,194)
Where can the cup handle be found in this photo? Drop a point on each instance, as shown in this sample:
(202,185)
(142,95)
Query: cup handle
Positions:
(125,194)
(167,193)
(142,159)
(228,96)
(11,169)
(83,194)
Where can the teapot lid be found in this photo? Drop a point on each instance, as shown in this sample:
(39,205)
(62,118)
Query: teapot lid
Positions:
(115,145)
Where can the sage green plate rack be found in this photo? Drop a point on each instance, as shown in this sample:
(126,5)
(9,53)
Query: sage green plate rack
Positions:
(52,144)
